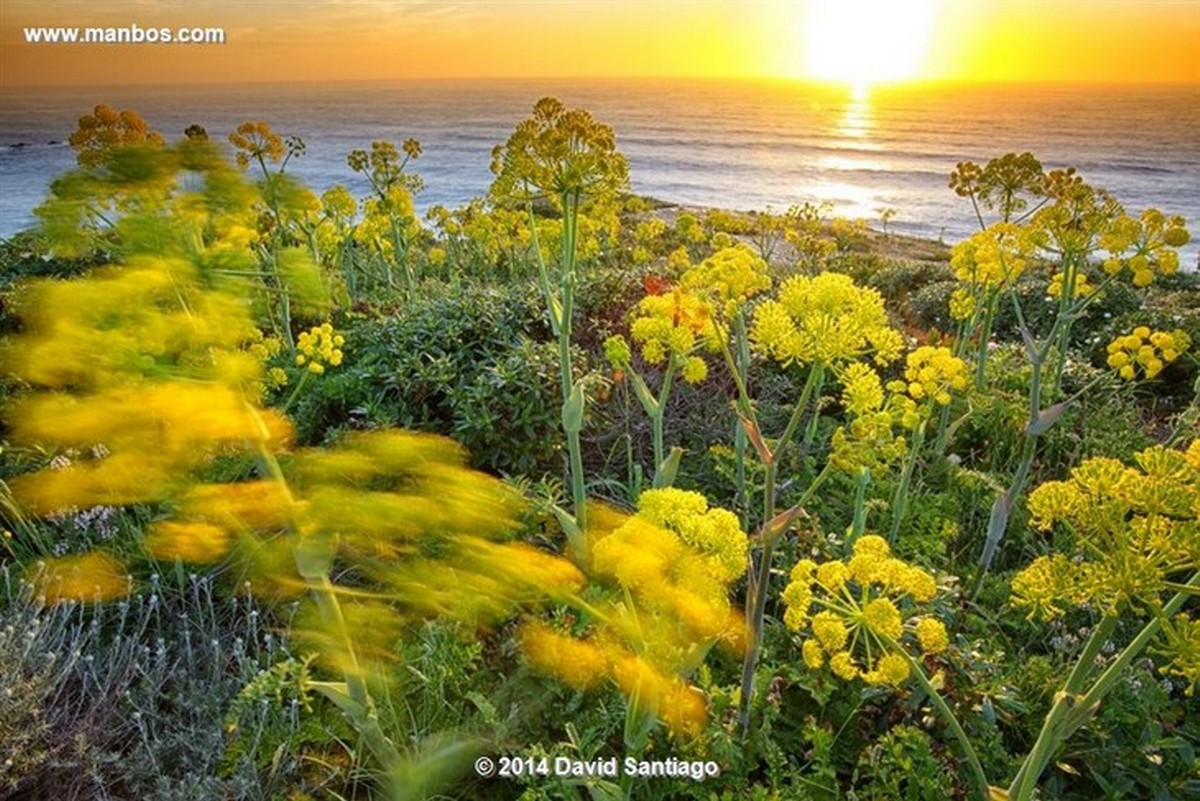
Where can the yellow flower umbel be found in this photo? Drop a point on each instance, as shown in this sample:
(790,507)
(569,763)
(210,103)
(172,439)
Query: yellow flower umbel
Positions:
(1145,351)
(672,326)
(672,565)
(1134,529)
(857,615)
(1144,247)
(868,441)
(731,276)
(318,347)
(1134,533)
(993,258)
(828,320)
(934,373)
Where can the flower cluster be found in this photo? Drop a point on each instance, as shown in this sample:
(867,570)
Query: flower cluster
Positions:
(869,441)
(1145,350)
(1132,527)
(713,532)
(827,319)
(1182,636)
(731,276)
(562,153)
(256,140)
(1152,238)
(673,325)
(1132,531)
(673,562)
(962,304)
(264,348)
(933,373)
(105,129)
(993,258)
(384,167)
(319,346)
(586,663)
(854,614)
(679,569)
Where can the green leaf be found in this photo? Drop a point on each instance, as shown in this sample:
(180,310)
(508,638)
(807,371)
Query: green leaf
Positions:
(664,474)
(572,411)
(1046,418)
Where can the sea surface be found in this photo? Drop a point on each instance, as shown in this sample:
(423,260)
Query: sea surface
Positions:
(733,144)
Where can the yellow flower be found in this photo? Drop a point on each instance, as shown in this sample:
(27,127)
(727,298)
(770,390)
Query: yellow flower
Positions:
(862,391)
(934,373)
(577,663)
(1146,351)
(843,666)
(855,605)
(962,304)
(892,669)
(830,631)
(1081,287)
(694,370)
(833,575)
(730,277)
(95,576)
(882,617)
(1151,241)
(192,541)
(992,258)
(672,325)
(1182,648)
(1132,529)
(931,633)
(812,654)
(827,319)
(319,347)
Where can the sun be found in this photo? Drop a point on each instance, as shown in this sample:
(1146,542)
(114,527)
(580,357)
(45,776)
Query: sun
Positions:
(864,42)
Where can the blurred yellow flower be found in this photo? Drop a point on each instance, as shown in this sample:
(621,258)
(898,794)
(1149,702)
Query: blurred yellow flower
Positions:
(95,576)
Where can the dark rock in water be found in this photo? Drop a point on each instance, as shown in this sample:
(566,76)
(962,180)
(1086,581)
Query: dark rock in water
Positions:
(20,144)
(54,142)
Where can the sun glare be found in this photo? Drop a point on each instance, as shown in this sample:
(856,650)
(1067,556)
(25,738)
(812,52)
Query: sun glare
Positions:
(864,42)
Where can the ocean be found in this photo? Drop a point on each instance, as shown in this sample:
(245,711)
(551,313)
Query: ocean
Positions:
(733,144)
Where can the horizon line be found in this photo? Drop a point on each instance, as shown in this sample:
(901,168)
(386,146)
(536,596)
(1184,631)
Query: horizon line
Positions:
(881,85)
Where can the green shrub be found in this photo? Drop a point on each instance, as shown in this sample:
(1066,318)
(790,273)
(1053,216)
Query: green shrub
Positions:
(470,362)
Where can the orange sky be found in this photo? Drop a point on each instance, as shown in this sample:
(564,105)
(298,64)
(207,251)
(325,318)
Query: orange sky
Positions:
(1050,40)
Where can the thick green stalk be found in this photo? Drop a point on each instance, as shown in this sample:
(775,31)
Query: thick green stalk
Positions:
(985,337)
(658,417)
(759,579)
(860,506)
(570,201)
(742,367)
(1052,733)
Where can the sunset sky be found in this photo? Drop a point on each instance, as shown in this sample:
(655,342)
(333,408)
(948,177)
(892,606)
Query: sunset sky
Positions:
(852,41)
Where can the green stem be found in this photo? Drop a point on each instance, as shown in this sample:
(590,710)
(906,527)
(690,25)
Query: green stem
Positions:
(361,709)
(979,778)
(660,413)
(985,338)
(900,499)
(860,507)
(1052,733)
